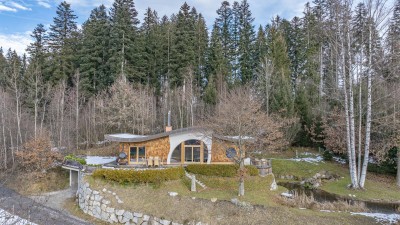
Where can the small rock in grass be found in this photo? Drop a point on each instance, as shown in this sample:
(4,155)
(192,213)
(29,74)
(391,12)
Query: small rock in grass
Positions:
(104,190)
(213,199)
(172,194)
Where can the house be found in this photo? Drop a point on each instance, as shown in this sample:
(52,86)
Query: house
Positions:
(175,147)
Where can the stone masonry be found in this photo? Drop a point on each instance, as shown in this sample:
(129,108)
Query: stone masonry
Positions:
(94,204)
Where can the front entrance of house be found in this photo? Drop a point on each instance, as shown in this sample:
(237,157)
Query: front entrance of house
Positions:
(190,151)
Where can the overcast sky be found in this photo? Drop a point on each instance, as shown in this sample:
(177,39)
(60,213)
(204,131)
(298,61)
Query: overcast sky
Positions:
(18,18)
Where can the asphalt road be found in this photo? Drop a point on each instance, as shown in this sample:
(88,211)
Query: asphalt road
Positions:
(33,211)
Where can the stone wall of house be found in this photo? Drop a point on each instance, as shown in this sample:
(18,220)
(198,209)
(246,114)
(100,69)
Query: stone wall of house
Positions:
(93,203)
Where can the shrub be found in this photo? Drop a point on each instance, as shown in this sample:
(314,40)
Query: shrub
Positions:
(327,155)
(140,176)
(75,158)
(220,170)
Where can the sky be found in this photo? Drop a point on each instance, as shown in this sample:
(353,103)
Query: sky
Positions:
(18,18)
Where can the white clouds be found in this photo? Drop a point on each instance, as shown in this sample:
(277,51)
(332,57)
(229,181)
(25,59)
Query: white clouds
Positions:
(17,42)
(44,3)
(19,6)
(6,8)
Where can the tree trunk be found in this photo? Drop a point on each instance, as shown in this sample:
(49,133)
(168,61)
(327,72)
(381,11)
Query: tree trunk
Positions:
(241,179)
(398,167)
(369,109)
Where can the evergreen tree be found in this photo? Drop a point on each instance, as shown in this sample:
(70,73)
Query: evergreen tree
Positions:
(246,41)
(393,42)
(151,49)
(94,70)
(281,92)
(3,66)
(260,47)
(124,47)
(63,44)
(183,49)
(201,44)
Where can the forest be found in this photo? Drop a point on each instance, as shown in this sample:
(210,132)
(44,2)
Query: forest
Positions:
(335,71)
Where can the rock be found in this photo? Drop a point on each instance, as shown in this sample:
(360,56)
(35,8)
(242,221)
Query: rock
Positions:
(213,199)
(172,194)
(274,186)
(109,192)
(173,223)
(165,222)
(103,207)
(235,201)
(127,223)
(96,203)
(104,190)
(193,198)
(98,198)
(146,218)
(96,192)
(113,218)
(247,161)
(105,202)
(110,210)
(120,201)
(105,216)
(128,215)
(114,193)
(135,220)
(119,212)
(119,219)
(140,215)
(144,223)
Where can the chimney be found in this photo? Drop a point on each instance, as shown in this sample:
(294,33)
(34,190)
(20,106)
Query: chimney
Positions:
(168,128)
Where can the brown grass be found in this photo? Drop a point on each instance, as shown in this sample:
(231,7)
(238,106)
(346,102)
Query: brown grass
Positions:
(308,202)
(30,184)
(183,208)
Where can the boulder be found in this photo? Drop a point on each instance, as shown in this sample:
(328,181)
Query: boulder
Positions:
(128,215)
(119,212)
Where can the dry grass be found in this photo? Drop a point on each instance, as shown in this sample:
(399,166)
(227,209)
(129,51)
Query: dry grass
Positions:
(183,208)
(308,202)
(29,184)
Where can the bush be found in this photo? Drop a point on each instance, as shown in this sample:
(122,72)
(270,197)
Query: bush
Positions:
(140,176)
(327,155)
(220,170)
(75,158)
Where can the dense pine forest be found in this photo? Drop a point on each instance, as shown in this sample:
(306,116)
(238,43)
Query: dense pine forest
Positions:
(335,70)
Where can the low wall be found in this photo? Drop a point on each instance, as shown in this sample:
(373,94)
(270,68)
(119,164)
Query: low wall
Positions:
(94,204)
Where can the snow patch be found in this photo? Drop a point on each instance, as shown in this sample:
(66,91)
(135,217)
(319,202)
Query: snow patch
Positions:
(381,217)
(8,218)
(287,195)
(99,160)
(315,160)
(339,160)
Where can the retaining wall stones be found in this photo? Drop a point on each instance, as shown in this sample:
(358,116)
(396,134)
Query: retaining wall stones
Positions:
(94,204)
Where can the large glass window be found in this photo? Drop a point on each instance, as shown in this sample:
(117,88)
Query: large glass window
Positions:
(137,154)
(192,152)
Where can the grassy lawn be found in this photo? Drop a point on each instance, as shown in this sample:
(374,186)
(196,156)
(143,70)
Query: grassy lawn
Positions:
(189,206)
(377,187)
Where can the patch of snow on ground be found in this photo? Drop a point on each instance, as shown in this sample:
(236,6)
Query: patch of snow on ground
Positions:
(287,195)
(339,160)
(99,160)
(324,210)
(381,217)
(315,160)
(8,218)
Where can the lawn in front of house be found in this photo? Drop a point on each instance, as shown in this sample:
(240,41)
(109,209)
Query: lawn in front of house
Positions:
(189,206)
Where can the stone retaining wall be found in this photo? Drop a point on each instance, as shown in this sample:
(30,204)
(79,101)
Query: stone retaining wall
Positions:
(94,204)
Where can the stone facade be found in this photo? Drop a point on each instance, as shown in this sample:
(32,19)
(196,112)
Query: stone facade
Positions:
(93,203)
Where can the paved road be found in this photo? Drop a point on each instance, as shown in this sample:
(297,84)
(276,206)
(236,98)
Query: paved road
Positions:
(33,211)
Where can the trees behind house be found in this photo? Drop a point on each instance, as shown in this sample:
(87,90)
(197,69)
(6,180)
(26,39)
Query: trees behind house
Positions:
(240,120)
(116,74)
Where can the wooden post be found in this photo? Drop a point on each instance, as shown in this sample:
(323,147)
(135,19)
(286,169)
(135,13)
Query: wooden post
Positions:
(183,153)
(201,153)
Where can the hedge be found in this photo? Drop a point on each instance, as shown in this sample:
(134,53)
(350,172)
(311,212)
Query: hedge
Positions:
(75,158)
(220,170)
(140,176)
